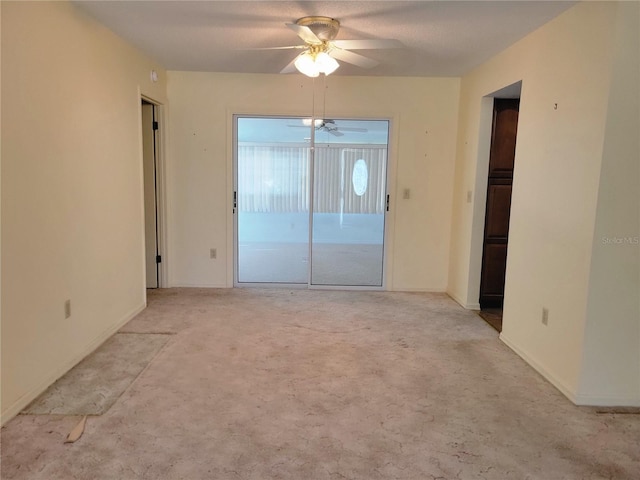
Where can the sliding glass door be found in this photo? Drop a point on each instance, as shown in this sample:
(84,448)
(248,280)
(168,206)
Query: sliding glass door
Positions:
(349,188)
(272,202)
(310,216)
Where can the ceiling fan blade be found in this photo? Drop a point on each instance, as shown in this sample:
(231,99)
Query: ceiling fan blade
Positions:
(330,124)
(291,67)
(368,44)
(353,58)
(349,129)
(288,47)
(336,133)
(305,33)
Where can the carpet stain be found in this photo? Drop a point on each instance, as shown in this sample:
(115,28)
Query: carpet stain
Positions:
(94,385)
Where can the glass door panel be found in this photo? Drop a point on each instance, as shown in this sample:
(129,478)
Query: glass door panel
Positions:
(272,168)
(349,202)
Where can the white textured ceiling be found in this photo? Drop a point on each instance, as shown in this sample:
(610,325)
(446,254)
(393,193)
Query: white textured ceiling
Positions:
(442,38)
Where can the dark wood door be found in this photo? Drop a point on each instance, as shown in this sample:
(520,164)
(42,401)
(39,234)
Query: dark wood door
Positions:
(496,229)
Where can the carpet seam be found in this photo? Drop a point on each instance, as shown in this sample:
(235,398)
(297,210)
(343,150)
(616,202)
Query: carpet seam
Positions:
(139,374)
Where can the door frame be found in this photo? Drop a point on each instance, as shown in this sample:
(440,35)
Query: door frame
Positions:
(494,180)
(161,206)
(479,196)
(388,214)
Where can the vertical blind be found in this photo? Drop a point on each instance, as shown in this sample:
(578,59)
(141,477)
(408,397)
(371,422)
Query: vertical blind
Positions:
(275,179)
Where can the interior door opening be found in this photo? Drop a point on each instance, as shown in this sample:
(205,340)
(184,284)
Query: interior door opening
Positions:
(498,209)
(150,127)
(310,198)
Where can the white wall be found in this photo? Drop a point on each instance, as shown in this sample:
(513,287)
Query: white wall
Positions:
(200,189)
(559,153)
(72,214)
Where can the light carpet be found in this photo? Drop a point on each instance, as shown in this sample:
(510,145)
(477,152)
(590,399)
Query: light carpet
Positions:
(280,384)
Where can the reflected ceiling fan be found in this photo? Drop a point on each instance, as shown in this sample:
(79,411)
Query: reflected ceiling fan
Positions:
(329,126)
(321,50)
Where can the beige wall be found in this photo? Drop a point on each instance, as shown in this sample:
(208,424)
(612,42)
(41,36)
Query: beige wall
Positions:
(422,151)
(611,370)
(559,154)
(72,214)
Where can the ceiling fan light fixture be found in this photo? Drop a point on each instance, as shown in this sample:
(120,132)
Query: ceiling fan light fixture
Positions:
(316,122)
(306,64)
(326,63)
(315,61)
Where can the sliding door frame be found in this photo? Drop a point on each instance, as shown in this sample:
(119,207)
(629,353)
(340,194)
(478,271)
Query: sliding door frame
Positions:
(388,211)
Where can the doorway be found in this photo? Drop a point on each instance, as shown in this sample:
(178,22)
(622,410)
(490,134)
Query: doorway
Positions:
(498,208)
(310,201)
(150,126)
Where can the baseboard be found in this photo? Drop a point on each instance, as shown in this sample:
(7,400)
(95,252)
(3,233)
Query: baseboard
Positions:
(607,401)
(581,399)
(565,390)
(202,285)
(49,379)
(468,306)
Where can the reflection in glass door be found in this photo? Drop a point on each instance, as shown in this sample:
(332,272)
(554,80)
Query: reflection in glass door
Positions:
(349,185)
(282,236)
(272,201)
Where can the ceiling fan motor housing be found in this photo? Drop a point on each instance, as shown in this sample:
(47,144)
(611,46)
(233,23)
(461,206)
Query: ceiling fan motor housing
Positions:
(325,28)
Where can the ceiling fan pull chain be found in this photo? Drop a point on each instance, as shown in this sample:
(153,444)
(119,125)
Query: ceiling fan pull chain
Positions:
(313,101)
(324,98)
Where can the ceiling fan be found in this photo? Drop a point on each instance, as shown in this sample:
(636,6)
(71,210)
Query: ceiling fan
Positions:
(329,126)
(321,50)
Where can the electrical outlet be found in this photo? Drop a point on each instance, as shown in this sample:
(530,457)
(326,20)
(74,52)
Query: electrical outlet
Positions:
(469,196)
(406,194)
(213,253)
(545,316)
(67,308)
